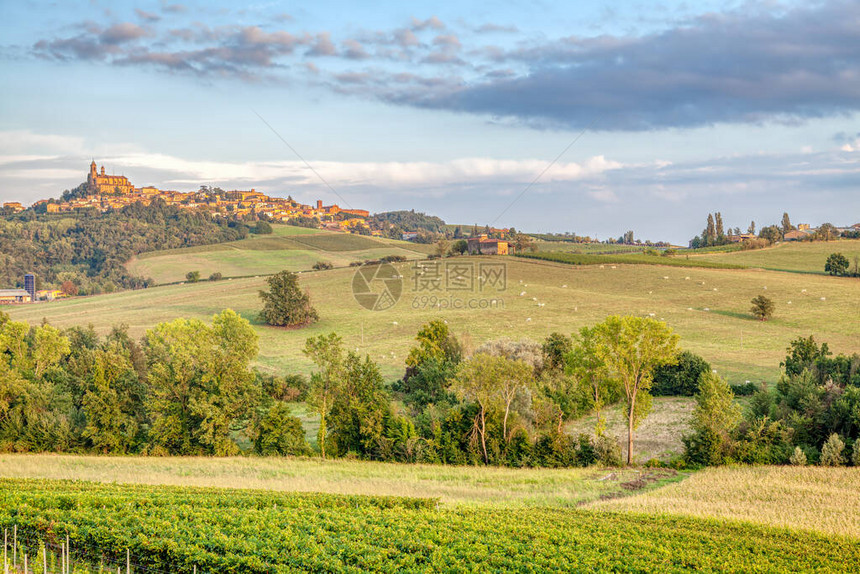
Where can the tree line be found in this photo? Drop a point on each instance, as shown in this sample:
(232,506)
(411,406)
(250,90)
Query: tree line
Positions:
(85,252)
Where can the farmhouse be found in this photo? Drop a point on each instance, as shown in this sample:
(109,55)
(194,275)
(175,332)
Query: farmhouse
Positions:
(13,296)
(485,246)
(797,234)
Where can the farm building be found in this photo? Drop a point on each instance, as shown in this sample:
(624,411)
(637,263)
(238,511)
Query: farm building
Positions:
(14,296)
(484,246)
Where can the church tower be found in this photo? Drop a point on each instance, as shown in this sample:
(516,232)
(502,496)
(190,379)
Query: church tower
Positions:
(91,178)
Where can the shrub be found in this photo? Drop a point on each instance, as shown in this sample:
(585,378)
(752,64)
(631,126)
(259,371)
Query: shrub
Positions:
(262,228)
(798,458)
(215,276)
(855,458)
(192,276)
(607,449)
(322,265)
(831,452)
(356,263)
(393,258)
(762,308)
(744,390)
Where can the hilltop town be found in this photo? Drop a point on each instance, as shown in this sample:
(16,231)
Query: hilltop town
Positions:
(104,192)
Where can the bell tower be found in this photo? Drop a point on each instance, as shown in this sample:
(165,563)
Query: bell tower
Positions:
(91,178)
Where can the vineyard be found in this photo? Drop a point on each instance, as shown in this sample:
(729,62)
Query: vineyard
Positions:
(220,530)
(626,258)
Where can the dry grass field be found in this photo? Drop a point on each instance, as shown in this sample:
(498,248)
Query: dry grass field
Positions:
(453,485)
(820,499)
(709,308)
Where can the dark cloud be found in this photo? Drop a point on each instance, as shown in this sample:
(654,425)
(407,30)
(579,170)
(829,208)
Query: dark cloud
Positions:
(732,68)
(122,33)
(322,46)
(354,50)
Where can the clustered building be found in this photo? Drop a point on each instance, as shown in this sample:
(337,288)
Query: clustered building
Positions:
(105,192)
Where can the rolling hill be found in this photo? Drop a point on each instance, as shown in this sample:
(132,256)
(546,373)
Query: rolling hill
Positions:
(289,247)
(709,308)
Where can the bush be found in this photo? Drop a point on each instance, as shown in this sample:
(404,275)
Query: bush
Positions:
(215,276)
(831,452)
(798,458)
(322,265)
(192,276)
(744,390)
(607,449)
(855,458)
(680,379)
(837,264)
(262,228)
(393,259)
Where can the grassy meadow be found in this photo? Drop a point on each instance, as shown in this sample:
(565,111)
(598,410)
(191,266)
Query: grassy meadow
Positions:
(794,257)
(288,247)
(708,308)
(815,498)
(452,485)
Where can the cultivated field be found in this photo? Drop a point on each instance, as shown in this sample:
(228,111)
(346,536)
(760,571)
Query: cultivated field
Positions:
(810,498)
(797,257)
(180,529)
(288,247)
(709,308)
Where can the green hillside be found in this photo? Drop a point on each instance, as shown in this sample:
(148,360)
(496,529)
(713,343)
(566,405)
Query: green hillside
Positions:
(797,257)
(289,247)
(709,308)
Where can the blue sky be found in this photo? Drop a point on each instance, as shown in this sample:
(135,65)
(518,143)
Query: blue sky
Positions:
(680,108)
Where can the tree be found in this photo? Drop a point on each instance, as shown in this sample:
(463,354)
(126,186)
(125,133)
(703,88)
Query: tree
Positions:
(714,420)
(359,408)
(443,247)
(435,341)
(69,288)
(326,352)
(786,224)
(50,346)
(802,354)
(192,276)
(837,264)
(771,234)
(523,243)
(489,381)
(751,228)
(762,307)
(555,348)
(215,276)
(595,381)
(680,378)
(280,433)
(718,220)
(109,401)
(632,347)
(827,232)
(200,385)
(831,452)
(710,233)
(285,304)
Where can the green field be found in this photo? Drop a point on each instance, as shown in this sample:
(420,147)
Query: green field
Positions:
(289,247)
(596,248)
(183,528)
(709,308)
(797,257)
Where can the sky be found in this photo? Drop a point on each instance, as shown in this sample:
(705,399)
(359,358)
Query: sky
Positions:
(585,117)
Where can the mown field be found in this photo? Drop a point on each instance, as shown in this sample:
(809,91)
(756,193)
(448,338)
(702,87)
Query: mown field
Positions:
(812,498)
(709,308)
(795,257)
(567,247)
(288,247)
(180,529)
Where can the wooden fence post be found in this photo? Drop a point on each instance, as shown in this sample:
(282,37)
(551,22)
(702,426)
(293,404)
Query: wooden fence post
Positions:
(127,561)
(45,559)
(15,549)
(5,562)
